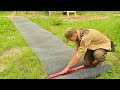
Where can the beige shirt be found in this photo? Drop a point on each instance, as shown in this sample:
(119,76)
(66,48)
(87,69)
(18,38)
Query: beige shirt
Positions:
(92,41)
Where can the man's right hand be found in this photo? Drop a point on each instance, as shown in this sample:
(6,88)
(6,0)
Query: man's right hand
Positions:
(64,71)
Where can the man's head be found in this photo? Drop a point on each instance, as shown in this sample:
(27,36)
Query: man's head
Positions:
(71,34)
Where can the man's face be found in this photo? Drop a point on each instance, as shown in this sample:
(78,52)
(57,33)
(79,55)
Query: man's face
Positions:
(73,37)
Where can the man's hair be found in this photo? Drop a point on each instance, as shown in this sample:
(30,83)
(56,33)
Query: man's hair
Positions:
(69,32)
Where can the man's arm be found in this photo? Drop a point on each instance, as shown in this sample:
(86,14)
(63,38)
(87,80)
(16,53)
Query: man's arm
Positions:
(78,54)
(76,57)
(72,62)
(74,53)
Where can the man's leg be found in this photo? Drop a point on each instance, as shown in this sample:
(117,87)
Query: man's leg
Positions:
(100,55)
(89,58)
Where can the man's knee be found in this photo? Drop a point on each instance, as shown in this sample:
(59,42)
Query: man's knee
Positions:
(100,55)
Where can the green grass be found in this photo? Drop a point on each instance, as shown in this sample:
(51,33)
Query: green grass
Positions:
(97,12)
(17,61)
(5,13)
(109,26)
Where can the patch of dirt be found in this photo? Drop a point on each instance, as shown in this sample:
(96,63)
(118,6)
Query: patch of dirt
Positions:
(13,14)
(2,67)
(10,53)
(85,18)
(10,37)
(116,15)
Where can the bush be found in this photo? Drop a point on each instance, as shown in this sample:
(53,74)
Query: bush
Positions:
(55,21)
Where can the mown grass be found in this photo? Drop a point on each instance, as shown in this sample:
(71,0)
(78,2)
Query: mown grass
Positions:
(108,26)
(5,13)
(17,61)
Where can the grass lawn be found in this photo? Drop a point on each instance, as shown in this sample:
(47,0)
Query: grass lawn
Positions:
(18,61)
(5,13)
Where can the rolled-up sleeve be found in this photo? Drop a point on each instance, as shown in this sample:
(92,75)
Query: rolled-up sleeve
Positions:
(82,49)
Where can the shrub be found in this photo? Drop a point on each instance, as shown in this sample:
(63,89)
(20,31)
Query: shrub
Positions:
(55,21)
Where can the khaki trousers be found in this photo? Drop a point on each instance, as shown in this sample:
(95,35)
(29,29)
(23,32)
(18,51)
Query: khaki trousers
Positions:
(92,55)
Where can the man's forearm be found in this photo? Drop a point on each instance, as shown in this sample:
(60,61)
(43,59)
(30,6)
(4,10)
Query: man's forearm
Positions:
(76,57)
(73,61)
(74,54)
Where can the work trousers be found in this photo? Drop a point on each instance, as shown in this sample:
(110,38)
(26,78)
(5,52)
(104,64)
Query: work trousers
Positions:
(92,55)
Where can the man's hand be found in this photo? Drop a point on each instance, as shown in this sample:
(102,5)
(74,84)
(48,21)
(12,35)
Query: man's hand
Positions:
(64,71)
